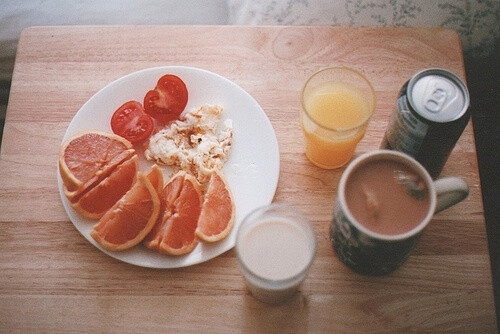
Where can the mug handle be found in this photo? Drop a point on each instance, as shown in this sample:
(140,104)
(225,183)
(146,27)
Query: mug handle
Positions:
(450,191)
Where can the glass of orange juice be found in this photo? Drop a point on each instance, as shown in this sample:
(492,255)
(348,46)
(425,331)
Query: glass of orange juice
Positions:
(337,104)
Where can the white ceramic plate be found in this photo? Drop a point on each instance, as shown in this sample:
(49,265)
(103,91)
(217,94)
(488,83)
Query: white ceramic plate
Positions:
(252,169)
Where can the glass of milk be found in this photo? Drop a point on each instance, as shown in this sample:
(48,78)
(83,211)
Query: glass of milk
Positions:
(275,246)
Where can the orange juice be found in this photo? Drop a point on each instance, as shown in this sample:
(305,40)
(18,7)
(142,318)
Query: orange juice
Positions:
(335,119)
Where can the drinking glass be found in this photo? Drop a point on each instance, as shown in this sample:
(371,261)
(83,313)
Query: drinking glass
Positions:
(275,246)
(337,105)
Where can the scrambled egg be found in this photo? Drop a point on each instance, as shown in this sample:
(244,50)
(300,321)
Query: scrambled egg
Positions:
(197,143)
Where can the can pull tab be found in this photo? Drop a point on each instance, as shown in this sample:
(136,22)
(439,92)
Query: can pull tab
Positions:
(437,95)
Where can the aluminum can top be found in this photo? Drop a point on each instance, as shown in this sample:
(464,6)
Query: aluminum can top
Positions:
(438,95)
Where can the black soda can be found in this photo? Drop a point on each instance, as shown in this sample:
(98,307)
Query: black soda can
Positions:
(430,115)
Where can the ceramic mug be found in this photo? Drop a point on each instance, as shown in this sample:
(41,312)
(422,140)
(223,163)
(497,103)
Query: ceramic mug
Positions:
(373,253)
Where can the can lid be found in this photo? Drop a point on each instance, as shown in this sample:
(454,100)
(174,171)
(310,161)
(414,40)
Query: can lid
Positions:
(438,95)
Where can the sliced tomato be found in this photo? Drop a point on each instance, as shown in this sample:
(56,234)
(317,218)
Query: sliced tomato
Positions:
(130,122)
(168,100)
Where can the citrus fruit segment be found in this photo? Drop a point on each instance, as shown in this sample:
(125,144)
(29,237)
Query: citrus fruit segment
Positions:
(131,218)
(180,237)
(155,176)
(175,234)
(218,211)
(74,196)
(168,195)
(99,199)
(90,154)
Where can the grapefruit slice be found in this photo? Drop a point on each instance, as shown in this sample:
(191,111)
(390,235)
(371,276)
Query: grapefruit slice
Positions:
(155,176)
(180,237)
(89,157)
(131,218)
(168,194)
(218,211)
(175,233)
(74,196)
(99,199)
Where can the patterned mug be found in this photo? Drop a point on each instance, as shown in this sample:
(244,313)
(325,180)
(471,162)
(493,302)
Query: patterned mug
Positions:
(374,253)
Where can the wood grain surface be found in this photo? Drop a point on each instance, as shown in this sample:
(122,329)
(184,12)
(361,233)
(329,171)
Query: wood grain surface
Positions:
(53,280)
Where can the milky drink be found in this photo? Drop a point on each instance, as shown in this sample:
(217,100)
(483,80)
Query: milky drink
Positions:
(378,196)
(385,200)
(275,247)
